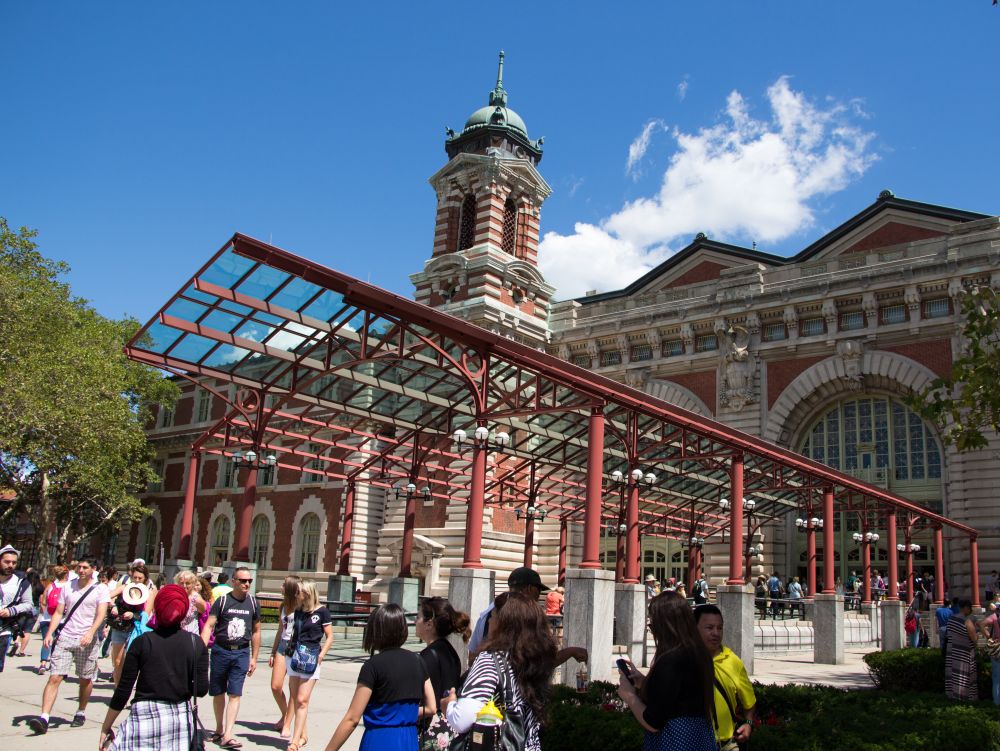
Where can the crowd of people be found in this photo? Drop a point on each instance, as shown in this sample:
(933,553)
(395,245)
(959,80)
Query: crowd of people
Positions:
(173,643)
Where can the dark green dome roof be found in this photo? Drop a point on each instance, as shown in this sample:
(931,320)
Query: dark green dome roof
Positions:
(495,115)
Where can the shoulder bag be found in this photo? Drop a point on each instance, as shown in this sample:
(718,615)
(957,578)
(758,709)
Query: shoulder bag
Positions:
(512,732)
(305,659)
(69,615)
(197,742)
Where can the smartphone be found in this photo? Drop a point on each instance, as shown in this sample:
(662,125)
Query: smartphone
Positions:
(624,668)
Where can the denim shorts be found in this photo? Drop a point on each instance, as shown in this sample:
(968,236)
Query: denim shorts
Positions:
(229,670)
(120,637)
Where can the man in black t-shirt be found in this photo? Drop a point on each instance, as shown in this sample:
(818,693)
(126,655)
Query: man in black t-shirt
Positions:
(235,621)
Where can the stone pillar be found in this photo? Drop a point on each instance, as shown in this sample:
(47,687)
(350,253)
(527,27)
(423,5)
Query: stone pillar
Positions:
(405,592)
(630,619)
(340,588)
(471,590)
(173,566)
(893,634)
(828,628)
(736,603)
(590,594)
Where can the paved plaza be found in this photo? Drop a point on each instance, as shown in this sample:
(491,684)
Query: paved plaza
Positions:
(21,692)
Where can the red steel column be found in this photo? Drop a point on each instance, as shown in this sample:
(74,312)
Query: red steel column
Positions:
(829,562)
(909,567)
(348,533)
(974,569)
(563,541)
(890,523)
(187,520)
(409,520)
(938,566)
(811,558)
(736,521)
(474,520)
(245,521)
(595,476)
(529,540)
(633,553)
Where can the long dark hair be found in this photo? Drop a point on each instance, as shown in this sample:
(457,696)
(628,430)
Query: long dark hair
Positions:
(674,629)
(445,618)
(521,630)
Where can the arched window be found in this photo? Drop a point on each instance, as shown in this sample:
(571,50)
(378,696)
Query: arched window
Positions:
(220,541)
(260,536)
(509,244)
(467,223)
(308,542)
(877,439)
(150,540)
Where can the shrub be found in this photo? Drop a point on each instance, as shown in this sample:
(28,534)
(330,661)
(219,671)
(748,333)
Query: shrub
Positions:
(806,718)
(919,670)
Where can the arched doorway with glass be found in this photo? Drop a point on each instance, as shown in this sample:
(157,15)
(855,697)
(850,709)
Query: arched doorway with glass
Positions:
(877,439)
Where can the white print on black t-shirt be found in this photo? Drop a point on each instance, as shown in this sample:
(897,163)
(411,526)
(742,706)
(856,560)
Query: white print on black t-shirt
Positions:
(236,629)
(315,618)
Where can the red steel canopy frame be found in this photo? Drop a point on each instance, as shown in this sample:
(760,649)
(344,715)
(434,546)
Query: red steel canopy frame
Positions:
(339,378)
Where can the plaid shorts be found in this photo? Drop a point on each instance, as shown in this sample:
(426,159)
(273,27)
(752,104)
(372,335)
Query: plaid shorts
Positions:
(156,726)
(68,656)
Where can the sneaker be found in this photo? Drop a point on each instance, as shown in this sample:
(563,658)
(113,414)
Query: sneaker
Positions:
(78,719)
(38,725)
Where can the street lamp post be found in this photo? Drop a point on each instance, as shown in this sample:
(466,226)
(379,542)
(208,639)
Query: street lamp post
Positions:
(629,516)
(810,527)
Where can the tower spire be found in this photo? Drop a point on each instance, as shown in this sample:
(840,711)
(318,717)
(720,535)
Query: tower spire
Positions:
(498,97)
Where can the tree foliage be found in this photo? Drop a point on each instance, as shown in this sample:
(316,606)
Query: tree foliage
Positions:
(72,406)
(966,404)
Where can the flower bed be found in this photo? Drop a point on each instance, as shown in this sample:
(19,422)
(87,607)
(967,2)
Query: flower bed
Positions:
(810,718)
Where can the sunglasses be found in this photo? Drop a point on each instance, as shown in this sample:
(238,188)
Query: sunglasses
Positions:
(245,581)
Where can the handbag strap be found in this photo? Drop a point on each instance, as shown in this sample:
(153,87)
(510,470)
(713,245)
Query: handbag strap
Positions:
(193,701)
(729,704)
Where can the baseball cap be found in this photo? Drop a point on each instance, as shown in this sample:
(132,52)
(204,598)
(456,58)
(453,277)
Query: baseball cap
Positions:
(526,577)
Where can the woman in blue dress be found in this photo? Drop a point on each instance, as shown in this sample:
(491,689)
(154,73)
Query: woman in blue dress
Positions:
(394,690)
(673,703)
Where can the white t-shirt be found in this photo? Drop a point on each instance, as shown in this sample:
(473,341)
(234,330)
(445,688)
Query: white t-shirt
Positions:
(83,618)
(287,622)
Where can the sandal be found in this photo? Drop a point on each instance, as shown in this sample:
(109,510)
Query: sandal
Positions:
(231,743)
(293,746)
(214,738)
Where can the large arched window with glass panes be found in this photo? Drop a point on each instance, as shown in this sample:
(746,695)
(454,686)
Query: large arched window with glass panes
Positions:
(879,440)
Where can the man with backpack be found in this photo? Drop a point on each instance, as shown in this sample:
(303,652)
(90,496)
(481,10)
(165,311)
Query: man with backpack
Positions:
(15,599)
(72,637)
(699,592)
(234,620)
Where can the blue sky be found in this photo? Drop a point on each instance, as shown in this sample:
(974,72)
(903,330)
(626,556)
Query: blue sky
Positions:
(138,137)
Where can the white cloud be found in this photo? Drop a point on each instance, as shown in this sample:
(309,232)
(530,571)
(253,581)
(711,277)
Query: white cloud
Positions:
(682,89)
(741,179)
(637,149)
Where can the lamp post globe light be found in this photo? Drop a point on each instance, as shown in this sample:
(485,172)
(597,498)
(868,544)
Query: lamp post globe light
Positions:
(249,460)
(481,438)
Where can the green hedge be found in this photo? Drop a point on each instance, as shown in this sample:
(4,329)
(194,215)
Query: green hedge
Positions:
(919,670)
(804,718)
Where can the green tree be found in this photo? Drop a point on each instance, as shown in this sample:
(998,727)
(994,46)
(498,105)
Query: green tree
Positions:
(72,406)
(966,404)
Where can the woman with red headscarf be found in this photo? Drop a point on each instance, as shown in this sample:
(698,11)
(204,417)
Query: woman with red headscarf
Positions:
(168,667)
